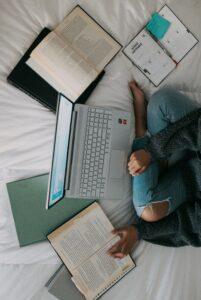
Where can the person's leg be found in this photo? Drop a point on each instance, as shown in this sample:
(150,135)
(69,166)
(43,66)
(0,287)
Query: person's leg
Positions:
(169,193)
(154,198)
(147,181)
(167,106)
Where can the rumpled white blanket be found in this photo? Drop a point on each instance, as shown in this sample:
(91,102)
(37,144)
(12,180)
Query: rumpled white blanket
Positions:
(26,136)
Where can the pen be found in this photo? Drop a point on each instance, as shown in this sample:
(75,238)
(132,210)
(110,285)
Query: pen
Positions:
(165,50)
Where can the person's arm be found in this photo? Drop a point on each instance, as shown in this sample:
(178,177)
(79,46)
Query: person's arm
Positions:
(183,134)
(182,227)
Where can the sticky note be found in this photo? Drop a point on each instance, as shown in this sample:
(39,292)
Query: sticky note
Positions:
(158,26)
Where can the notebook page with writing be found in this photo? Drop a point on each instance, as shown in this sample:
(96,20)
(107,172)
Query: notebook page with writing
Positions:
(149,57)
(178,40)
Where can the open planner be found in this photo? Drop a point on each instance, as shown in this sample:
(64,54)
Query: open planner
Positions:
(73,55)
(82,244)
(157,58)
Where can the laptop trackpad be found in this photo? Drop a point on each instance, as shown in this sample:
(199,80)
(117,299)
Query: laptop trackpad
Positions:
(117,164)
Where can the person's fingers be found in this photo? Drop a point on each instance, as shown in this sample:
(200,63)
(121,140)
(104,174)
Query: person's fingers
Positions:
(122,232)
(129,163)
(124,249)
(141,170)
(116,247)
(132,163)
(118,255)
(132,157)
(134,167)
(118,231)
(133,160)
(114,251)
(134,173)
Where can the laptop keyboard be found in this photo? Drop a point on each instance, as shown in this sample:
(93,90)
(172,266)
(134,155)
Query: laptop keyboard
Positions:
(96,152)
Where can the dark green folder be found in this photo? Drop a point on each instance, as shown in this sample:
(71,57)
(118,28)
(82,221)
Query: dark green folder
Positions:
(33,222)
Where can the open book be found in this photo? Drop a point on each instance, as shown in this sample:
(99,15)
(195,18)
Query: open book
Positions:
(82,244)
(72,56)
(156,59)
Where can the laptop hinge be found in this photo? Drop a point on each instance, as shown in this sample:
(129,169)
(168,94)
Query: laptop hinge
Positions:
(70,151)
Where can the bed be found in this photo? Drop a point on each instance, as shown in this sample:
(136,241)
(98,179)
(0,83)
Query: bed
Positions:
(26,136)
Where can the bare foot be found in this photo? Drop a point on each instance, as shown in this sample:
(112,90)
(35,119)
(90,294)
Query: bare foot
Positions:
(140,111)
(138,94)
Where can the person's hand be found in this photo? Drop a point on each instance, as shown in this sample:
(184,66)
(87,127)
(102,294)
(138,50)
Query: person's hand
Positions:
(136,90)
(128,238)
(139,162)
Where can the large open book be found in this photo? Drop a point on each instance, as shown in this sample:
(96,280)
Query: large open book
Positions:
(82,244)
(157,58)
(72,56)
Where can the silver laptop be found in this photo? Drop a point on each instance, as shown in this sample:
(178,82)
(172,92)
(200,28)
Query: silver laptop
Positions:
(90,152)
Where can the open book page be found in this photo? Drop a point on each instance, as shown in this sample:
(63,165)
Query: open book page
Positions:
(79,238)
(61,66)
(100,272)
(50,78)
(88,38)
(149,57)
(178,40)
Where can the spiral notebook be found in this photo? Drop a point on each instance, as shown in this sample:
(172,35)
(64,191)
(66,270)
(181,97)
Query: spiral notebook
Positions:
(157,58)
(82,245)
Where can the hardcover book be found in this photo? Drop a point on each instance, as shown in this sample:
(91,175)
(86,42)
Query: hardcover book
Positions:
(73,55)
(82,244)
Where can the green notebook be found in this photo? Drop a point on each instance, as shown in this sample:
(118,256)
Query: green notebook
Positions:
(33,222)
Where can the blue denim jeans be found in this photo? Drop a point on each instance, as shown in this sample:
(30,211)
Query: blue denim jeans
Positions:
(165,107)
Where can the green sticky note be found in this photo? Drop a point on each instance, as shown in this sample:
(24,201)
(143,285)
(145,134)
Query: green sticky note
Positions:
(158,26)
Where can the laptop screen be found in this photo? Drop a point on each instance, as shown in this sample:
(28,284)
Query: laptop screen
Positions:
(60,151)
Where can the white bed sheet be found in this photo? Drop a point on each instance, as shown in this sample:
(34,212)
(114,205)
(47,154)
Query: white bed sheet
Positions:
(26,135)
